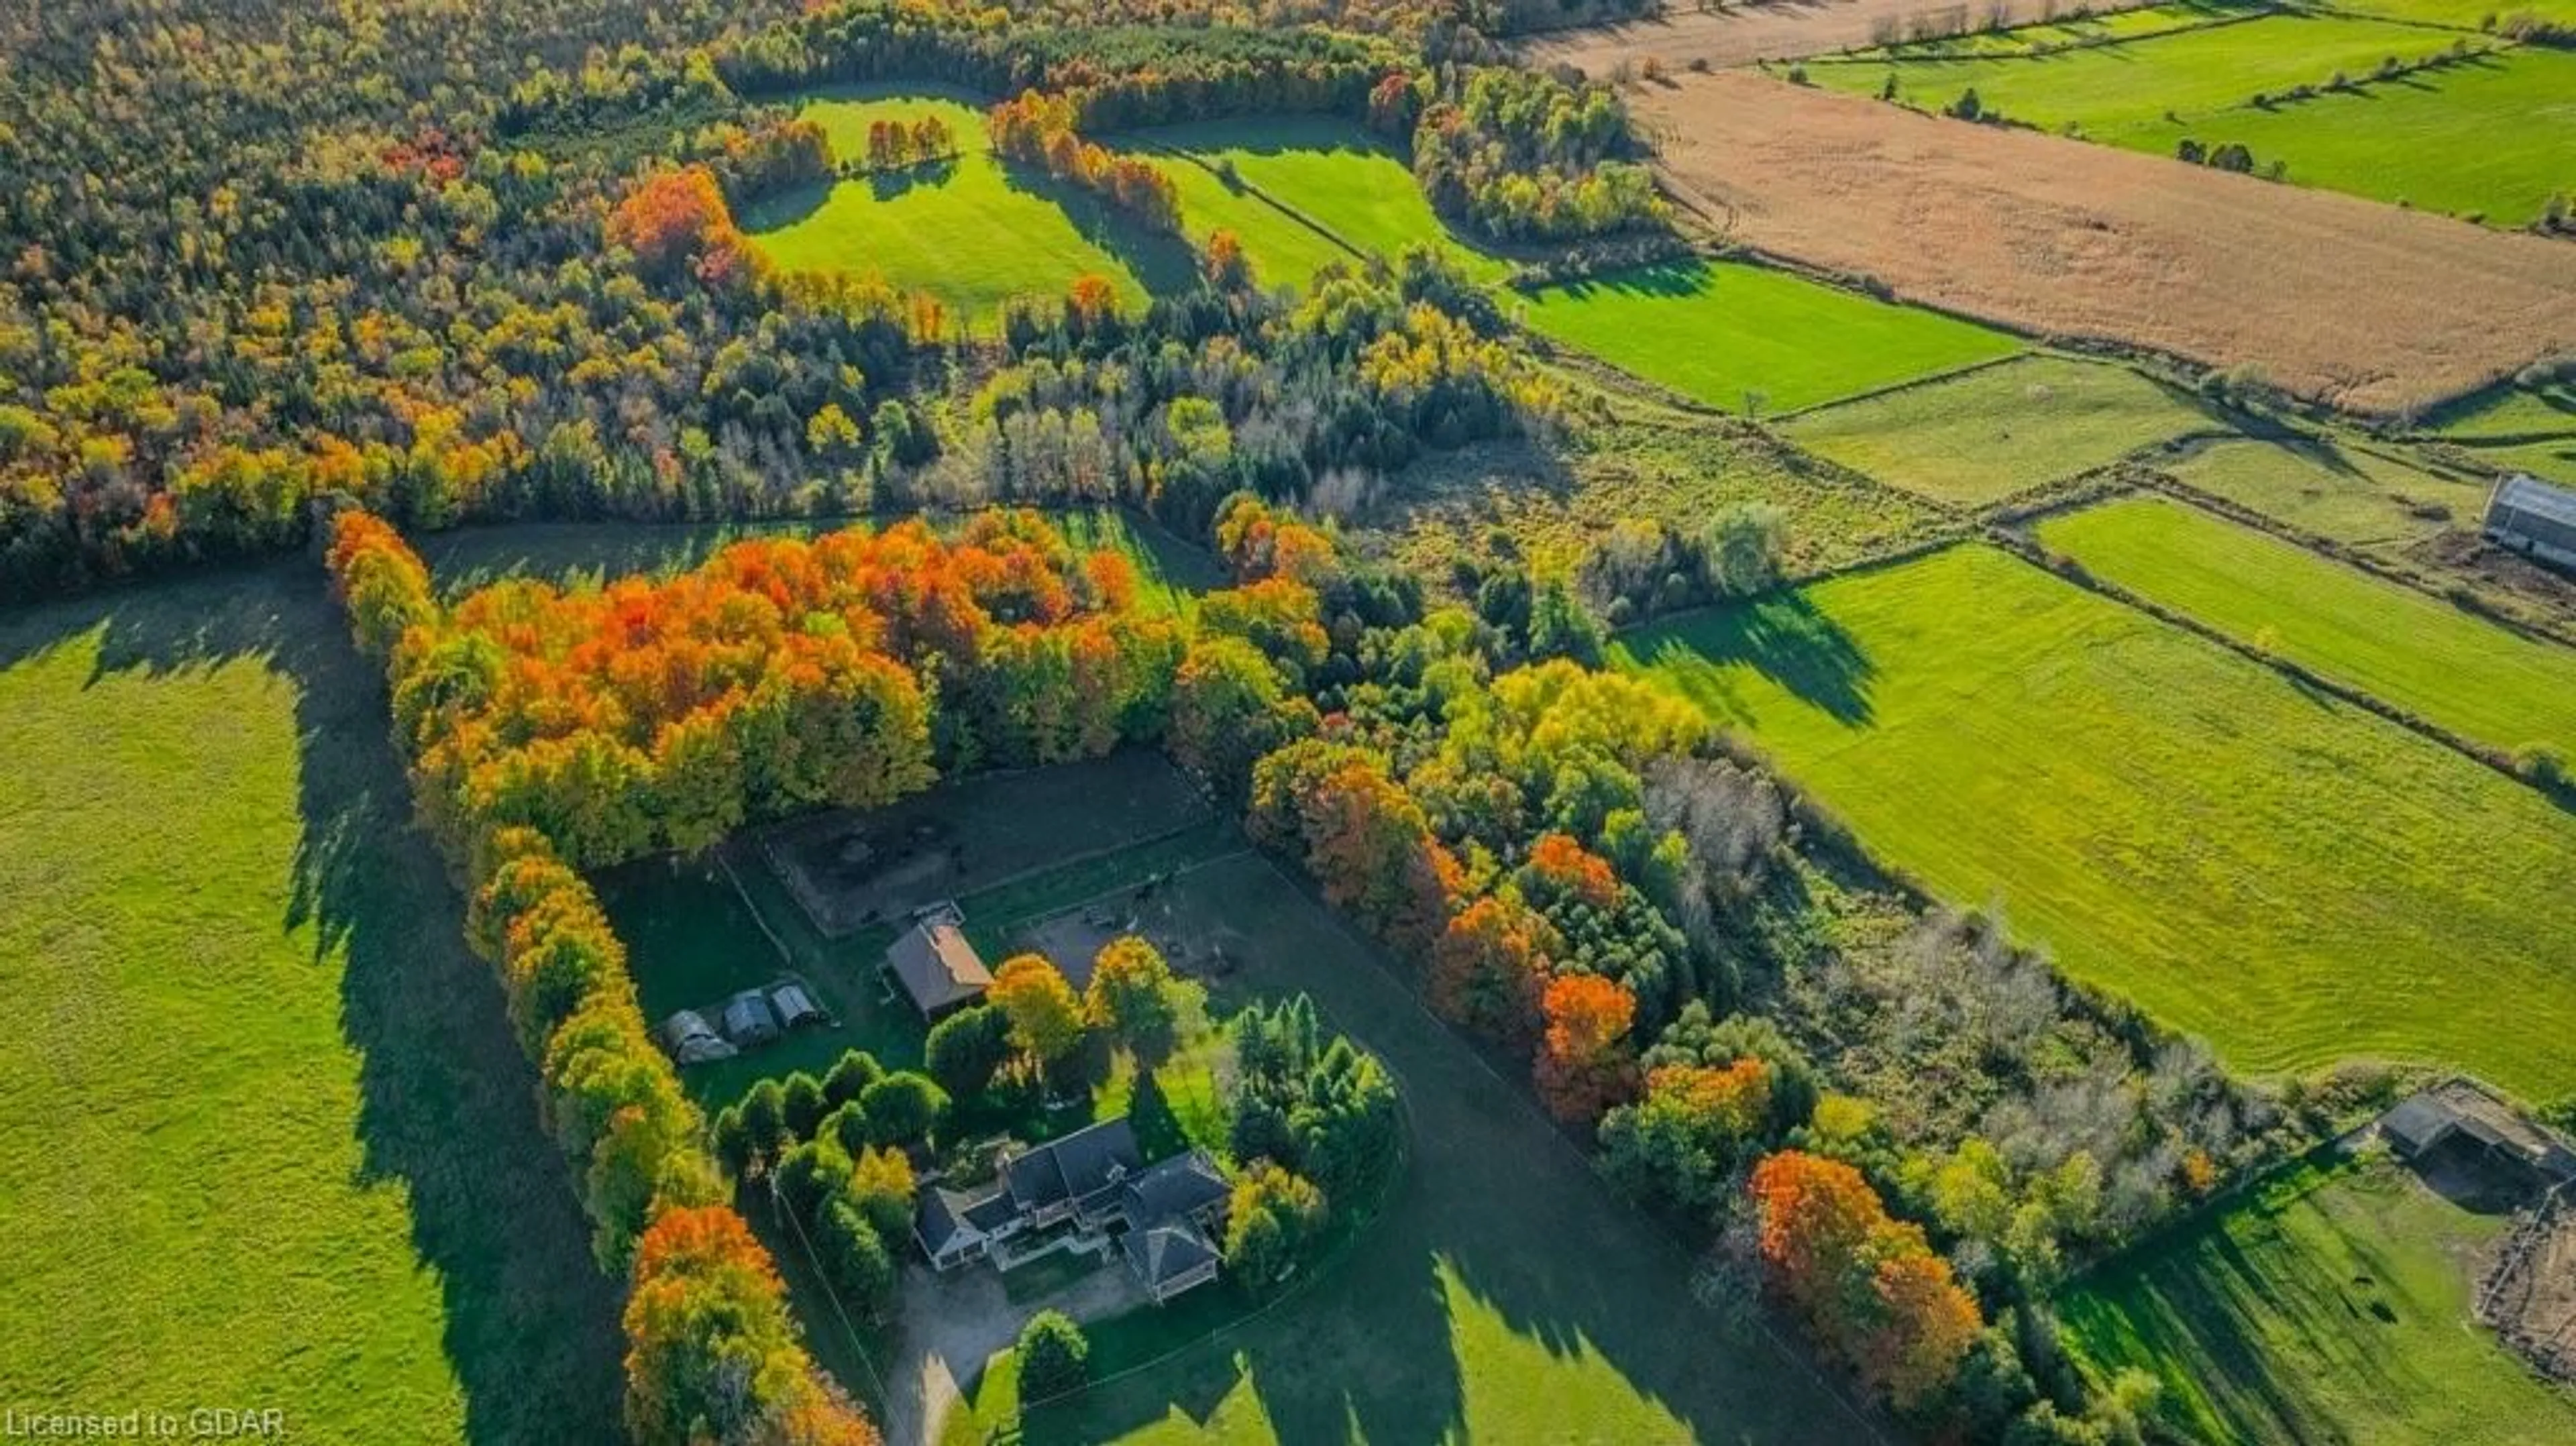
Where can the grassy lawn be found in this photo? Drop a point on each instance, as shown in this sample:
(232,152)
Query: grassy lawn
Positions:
(1722,333)
(974,232)
(266,1140)
(1991,434)
(2332,1304)
(1306,190)
(2180,825)
(2492,137)
(2341,493)
(1553,502)
(1464,1312)
(1170,571)
(2395,643)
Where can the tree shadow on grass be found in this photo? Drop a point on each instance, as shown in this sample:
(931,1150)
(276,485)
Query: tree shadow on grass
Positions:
(1165,265)
(1785,638)
(446,1101)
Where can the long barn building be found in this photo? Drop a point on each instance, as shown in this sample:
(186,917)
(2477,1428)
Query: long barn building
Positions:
(2531,516)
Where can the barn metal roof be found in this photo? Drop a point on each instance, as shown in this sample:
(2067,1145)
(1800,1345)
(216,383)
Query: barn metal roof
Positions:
(2534,498)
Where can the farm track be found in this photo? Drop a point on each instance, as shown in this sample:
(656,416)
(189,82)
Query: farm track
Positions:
(2027,231)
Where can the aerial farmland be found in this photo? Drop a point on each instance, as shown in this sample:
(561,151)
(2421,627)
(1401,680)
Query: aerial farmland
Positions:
(1371,721)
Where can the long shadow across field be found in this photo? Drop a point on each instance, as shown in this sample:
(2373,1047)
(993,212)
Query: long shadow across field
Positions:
(1785,637)
(1499,1256)
(446,1107)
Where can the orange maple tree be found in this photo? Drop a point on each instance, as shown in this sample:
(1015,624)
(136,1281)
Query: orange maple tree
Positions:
(1585,1066)
(1868,1285)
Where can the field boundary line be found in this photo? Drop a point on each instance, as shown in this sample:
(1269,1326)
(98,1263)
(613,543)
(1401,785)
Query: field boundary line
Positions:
(2028,548)
(2024,352)
(2533,629)
(1859,57)
(1238,183)
(725,862)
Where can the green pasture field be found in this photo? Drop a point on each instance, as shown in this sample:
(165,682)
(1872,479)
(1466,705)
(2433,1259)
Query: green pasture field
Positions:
(1723,333)
(2249,861)
(2491,138)
(1170,571)
(2459,14)
(2399,645)
(2108,89)
(1553,503)
(2057,34)
(266,1139)
(2517,414)
(974,232)
(2343,494)
(1460,1312)
(2002,430)
(2332,1303)
(1309,190)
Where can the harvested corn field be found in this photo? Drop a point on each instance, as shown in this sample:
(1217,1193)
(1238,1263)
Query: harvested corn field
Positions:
(2027,230)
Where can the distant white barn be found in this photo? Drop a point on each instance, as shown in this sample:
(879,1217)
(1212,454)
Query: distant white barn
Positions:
(2531,516)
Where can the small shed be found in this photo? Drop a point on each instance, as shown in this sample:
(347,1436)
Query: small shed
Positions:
(2533,517)
(691,1040)
(749,1020)
(936,966)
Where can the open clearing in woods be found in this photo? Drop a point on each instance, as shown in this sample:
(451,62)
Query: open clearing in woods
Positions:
(264,1132)
(2330,1303)
(1780,30)
(1305,191)
(972,231)
(1999,431)
(2404,647)
(2286,876)
(1718,332)
(2023,229)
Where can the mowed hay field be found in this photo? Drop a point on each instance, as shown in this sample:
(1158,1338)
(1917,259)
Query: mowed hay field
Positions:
(2292,879)
(1999,431)
(1305,191)
(265,1137)
(1743,34)
(2492,136)
(1717,332)
(2403,647)
(2023,229)
(2340,493)
(2331,1303)
(973,232)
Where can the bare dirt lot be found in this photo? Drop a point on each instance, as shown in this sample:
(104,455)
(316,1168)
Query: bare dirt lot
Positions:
(2371,307)
(1780,30)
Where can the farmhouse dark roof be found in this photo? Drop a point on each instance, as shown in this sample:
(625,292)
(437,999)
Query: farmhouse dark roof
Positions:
(941,1214)
(937,966)
(1163,1253)
(1076,1167)
(1181,1185)
(2418,1123)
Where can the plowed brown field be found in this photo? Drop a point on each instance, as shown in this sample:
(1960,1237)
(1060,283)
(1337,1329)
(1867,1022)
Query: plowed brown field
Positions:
(2371,307)
(1781,30)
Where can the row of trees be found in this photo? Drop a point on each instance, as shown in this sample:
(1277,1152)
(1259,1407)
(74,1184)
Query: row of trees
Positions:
(1038,130)
(781,675)
(711,1350)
